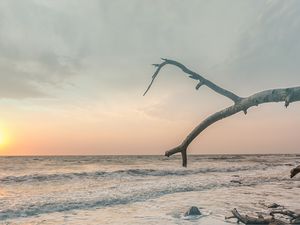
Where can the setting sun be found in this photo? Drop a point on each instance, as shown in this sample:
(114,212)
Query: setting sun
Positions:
(2,139)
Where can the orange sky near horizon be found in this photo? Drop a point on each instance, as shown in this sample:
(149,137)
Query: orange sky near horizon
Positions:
(136,133)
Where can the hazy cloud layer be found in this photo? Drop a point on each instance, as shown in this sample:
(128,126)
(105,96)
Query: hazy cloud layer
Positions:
(33,52)
(269,51)
(110,43)
(105,48)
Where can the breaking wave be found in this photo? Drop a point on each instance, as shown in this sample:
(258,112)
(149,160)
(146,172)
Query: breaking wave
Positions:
(128,172)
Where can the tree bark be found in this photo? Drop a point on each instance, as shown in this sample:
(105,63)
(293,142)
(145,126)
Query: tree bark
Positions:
(287,95)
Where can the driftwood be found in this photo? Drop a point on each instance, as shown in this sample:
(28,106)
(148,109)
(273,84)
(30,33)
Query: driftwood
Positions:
(294,218)
(240,104)
(295,171)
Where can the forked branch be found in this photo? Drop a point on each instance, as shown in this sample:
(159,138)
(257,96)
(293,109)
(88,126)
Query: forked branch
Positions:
(287,95)
(195,76)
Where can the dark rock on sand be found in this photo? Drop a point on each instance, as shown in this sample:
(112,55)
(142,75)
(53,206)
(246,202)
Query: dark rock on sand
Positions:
(273,206)
(236,181)
(193,211)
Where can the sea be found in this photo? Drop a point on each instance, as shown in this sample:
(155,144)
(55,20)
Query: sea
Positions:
(131,190)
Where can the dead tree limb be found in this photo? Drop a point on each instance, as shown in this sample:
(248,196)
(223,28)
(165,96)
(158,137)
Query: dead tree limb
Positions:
(287,95)
(289,213)
(295,171)
(248,220)
(291,217)
(195,76)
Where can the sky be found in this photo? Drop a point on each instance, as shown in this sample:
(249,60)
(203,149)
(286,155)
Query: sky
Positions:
(73,73)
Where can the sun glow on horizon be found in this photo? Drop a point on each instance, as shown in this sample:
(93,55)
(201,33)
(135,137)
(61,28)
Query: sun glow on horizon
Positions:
(4,140)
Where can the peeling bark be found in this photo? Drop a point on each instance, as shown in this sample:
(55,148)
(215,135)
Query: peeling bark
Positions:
(241,104)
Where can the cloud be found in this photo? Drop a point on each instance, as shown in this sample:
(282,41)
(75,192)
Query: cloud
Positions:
(15,85)
(268,51)
(110,45)
(32,55)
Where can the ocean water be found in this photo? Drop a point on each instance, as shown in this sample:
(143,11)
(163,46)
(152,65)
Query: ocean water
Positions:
(142,189)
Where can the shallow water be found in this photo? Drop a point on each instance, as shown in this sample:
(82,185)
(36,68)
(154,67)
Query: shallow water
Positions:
(142,189)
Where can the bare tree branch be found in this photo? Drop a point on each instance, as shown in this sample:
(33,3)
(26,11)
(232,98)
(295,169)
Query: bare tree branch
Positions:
(287,95)
(195,76)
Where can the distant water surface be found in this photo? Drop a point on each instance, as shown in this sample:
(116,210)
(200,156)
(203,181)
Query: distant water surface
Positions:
(142,189)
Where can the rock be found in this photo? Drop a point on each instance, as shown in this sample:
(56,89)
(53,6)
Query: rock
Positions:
(273,206)
(236,181)
(193,211)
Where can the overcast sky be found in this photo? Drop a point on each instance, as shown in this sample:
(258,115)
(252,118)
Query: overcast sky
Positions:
(73,73)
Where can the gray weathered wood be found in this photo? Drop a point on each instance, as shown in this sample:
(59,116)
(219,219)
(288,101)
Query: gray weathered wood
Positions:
(287,95)
(248,220)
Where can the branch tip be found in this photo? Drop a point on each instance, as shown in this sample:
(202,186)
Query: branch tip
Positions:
(199,85)
(193,76)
